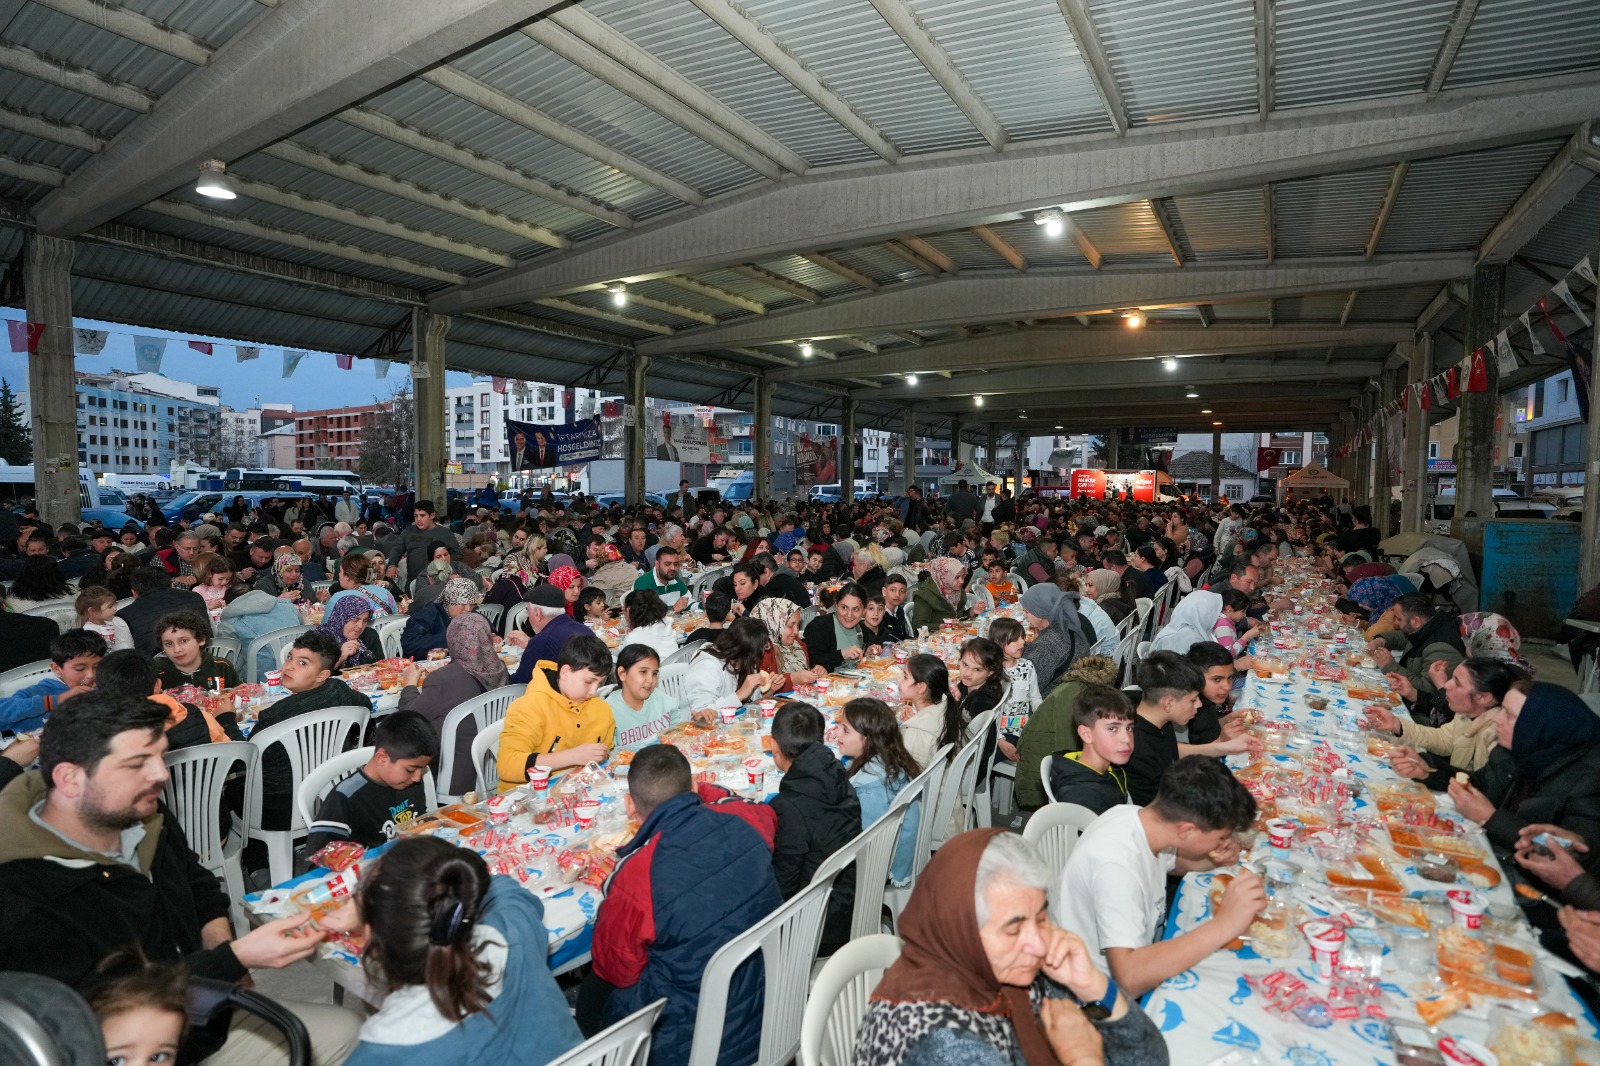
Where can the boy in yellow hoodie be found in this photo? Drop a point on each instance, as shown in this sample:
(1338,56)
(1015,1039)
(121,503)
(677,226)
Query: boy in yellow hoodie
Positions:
(559,722)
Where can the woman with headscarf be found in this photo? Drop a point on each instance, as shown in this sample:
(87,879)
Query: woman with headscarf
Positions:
(1484,635)
(474,668)
(1104,587)
(283,580)
(941,591)
(1061,640)
(612,573)
(985,978)
(565,576)
(346,622)
(517,575)
(786,652)
(1193,622)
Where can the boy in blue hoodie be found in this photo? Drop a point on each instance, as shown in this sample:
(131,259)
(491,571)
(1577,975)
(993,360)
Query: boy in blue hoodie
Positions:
(73,658)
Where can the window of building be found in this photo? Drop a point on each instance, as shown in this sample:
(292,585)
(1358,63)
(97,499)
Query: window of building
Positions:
(483,452)
(483,435)
(1290,458)
(545,395)
(546,414)
(1433,449)
(1563,386)
(483,418)
(483,399)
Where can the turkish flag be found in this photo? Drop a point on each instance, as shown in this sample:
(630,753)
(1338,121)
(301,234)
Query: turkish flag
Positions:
(1424,396)
(498,384)
(611,409)
(345,361)
(1452,383)
(24,335)
(1267,457)
(1478,373)
(203,347)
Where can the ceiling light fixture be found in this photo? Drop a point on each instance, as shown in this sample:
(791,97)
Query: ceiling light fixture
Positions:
(619,294)
(1059,427)
(1216,423)
(1135,319)
(214,181)
(806,349)
(1053,221)
(1191,394)
(1205,410)
(911,379)
(978,401)
(1170,364)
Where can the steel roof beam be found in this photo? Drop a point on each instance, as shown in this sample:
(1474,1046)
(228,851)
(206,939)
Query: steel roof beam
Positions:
(779,282)
(1450,45)
(1058,348)
(1266,56)
(833,266)
(711,292)
(53,71)
(292,67)
(1391,196)
(942,68)
(132,26)
(1556,186)
(48,130)
(1302,395)
(859,205)
(1169,232)
(605,315)
(972,298)
(1001,247)
(1080,23)
(37,173)
(1196,373)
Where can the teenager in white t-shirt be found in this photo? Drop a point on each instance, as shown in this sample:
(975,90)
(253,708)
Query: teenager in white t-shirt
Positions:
(1114,888)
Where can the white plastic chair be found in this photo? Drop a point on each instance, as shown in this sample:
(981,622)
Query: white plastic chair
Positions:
(671,682)
(18,678)
(871,853)
(493,613)
(625,1044)
(194,794)
(483,710)
(228,648)
(1127,654)
(310,740)
(787,940)
(983,790)
(806,616)
(1055,828)
(1044,777)
(274,644)
(515,617)
(960,783)
(485,752)
(65,616)
(839,998)
(923,790)
(685,653)
(321,780)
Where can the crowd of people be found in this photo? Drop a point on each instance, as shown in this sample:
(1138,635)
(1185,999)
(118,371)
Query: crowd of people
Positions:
(1004,960)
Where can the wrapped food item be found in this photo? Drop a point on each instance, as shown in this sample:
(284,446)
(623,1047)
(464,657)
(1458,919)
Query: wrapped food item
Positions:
(1520,1040)
(338,856)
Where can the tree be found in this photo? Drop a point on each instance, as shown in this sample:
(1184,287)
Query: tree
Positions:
(16,436)
(1099,452)
(386,444)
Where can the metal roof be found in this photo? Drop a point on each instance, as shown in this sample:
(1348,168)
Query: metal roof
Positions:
(861,172)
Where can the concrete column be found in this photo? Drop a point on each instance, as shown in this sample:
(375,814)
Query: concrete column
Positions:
(992,459)
(1361,485)
(52,387)
(908,449)
(1589,552)
(956,427)
(1475,462)
(1378,496)
(1113,450)
(427,376)
(636,436)
(1216,463)
(847,448)
(1019,462)
(763,437)
(1414,479)
(1344,464)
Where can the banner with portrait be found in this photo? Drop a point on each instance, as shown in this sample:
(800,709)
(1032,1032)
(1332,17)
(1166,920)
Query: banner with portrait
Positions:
(815,461)
(537,446)
(679,438)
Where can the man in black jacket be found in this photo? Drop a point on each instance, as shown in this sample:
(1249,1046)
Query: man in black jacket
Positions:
(153,599)
(818,813)
(91,861)
(778,581)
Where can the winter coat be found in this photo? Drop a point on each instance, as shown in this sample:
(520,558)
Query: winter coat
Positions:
(1566,794)
(253,615)
(1073,782)
(277,777)
(818,813)
(424,631)
(1050,729)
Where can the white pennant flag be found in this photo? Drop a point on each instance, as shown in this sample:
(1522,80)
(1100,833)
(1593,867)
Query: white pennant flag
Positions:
(243,354)
(1538,349)
(1563,290)
(290,361)
(381,367)
(1585,270)
(147,353)
(1507,354)
(89,341)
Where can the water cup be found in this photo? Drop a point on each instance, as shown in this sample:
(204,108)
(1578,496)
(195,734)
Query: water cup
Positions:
(769,708)
(585,811)
(1466,908)
(274,678)
(1327,941)
(1280,833)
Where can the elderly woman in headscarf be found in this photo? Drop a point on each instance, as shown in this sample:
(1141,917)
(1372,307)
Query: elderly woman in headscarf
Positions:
(517,575)
(1061,640)
(283,580)
(442,566)
(346,622)
(786,653)
(941,592)
(565,576)
(474,668)
(986,978)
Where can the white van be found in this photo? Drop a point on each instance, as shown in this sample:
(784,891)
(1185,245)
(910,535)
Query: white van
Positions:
(97,504)
(1441,509)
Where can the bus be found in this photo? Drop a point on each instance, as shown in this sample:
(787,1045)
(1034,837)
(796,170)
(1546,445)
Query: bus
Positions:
(103,505)
(261,479)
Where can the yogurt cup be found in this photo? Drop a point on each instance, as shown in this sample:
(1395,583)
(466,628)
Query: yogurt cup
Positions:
(274,678)
(769,708)
(728,714)
(1466,908)
(823,685)
(585,811)
(539,779)
(1280,833)
(1327,941)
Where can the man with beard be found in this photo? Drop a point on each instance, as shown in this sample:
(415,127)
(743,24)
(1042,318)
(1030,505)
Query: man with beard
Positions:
(91,861)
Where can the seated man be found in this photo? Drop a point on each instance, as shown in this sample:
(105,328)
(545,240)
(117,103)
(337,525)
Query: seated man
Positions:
(308,675)
(551,627)
(91,862)
(1430,636)
(184,660)
(1114,889)
(372,804)
(1092,777)
(718,606)
(662,579)
(73,658)
(691,879)
(131,674)
(559,722)
(154,598)
(818,813)
(425,629)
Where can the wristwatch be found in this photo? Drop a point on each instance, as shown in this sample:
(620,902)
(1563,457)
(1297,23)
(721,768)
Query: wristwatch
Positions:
(1100,1011)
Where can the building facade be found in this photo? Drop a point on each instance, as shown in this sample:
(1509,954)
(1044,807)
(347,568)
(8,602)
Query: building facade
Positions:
(331,439)
(142,423)
(1555,436)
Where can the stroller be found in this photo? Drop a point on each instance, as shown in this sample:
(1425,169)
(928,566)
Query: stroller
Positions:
(45,1023)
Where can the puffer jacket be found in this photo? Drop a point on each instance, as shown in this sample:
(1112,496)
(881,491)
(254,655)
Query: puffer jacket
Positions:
(1050,729)
(818,813)
(255,614)
(1566,794)
(929,608)
(691,880)
(1073,782)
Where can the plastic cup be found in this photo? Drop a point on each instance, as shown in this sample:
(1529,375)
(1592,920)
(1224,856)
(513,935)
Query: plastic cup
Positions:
(728,714)
(539,778)
(769,708)
(1466,908)
(1280,833)
(823,684)
(1327,941)
(755,770)
(585,811)
(900,655)
(274,678)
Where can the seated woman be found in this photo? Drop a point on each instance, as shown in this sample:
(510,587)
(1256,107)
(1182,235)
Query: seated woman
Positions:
(979,950)
(1105,588)
(346,622)
(462,956)
(1472,693)
(1060,639)
(727,672)
(649,623)
(283,580)
(941,592)
(880,766)
(474,668)
(355,575)
(1193,622)
(786,653)
(565,576)
(39,584)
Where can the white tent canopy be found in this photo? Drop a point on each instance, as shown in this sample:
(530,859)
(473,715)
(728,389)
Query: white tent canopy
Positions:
(1313,478)
(970,472)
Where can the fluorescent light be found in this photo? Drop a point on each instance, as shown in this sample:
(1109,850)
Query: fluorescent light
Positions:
(1134,319)
(619,294)
(1170,364)
(214,181)
(1191,394)
(1205,410)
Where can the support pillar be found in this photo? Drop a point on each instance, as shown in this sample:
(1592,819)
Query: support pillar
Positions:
(1363,480)
(1475,454)
(955,441)
(1589,550)
(427,377)
(1216,464)
(847,448)
(1342,465)
(1019,462)
(992,457)
(1378,497)
(636,437)
(908,449)
(52,387)
(762,431)
(1414,478)
(1113,450)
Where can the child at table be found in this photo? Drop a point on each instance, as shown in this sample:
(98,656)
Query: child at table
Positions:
(97,612)
(463,957)
(999,584)
(1023,696)
(142,1007)
(818,813)
(183,660)
(641,709)
(372,804)
(132,674)
(559,722)
(1211,722)
(874,627)
(1093,777)
(880,766)
(74,655)
(591,607)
